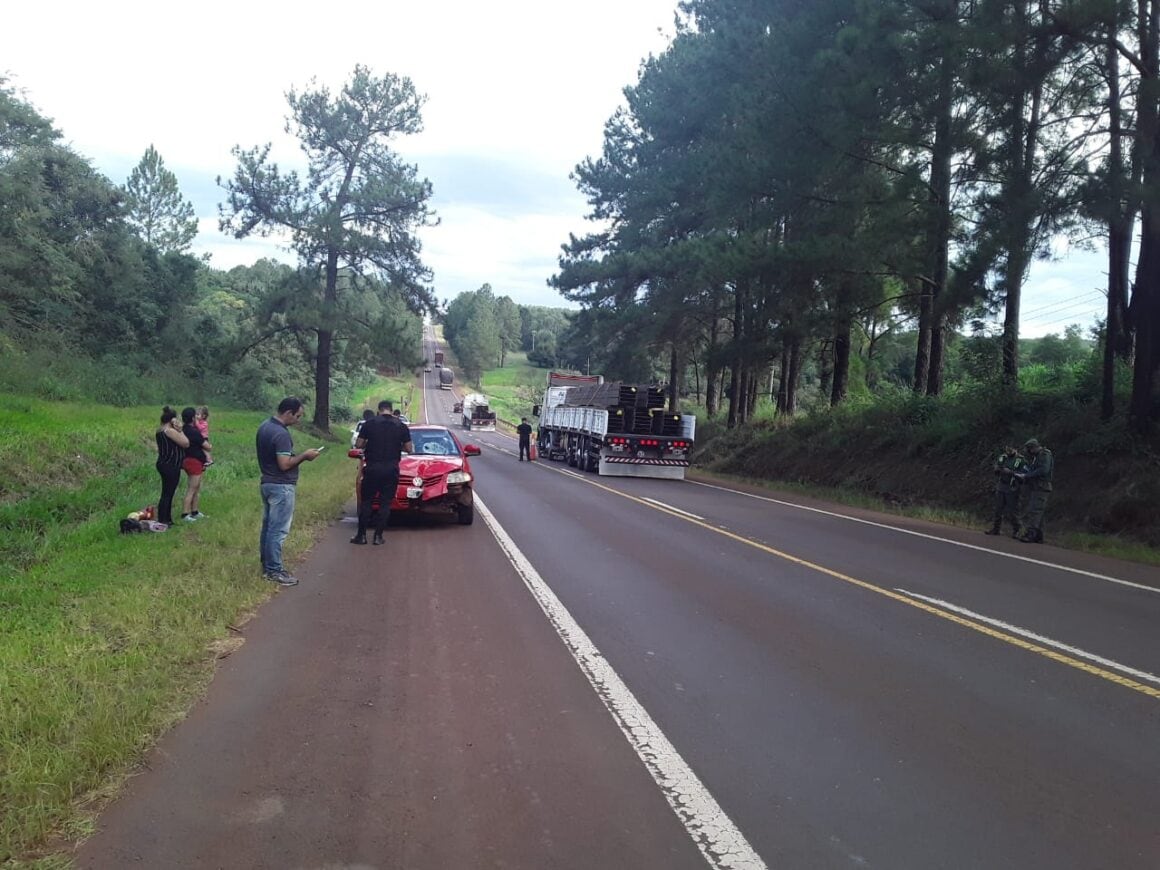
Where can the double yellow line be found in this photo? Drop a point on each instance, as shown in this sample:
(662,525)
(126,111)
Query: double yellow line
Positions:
(1013,640)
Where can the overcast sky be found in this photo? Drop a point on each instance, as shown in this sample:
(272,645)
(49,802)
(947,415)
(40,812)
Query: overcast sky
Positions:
(518,92)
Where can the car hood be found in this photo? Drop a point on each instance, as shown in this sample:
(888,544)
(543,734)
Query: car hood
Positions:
(426,467)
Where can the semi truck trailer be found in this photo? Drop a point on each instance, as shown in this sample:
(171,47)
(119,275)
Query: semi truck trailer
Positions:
(613,429)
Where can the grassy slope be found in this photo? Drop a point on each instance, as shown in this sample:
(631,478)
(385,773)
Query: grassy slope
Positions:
(920,455)
(513,389)
(107,639)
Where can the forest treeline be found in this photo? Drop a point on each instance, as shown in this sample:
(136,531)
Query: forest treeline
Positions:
(101,300)
(791,183)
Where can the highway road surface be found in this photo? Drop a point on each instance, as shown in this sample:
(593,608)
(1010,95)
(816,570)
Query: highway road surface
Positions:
(632,673)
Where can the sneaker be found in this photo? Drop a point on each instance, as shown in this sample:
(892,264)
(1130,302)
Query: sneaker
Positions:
(198,515)
(360,538)
(189,518)
(378,538)
(282,578)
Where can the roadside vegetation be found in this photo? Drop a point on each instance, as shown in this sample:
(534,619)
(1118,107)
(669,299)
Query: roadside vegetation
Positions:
(108,639)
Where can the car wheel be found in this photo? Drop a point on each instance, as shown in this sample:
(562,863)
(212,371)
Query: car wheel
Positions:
(466,514)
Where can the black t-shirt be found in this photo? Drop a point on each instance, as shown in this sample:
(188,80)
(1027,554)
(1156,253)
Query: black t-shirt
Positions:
(196,440)
(525,431)
(385,437)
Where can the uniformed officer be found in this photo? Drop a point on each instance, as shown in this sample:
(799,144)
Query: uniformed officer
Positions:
(1037,476)
(382,441)
(1007,486)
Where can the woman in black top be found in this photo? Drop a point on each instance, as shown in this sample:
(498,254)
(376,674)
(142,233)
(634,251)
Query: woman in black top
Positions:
(194,464)
(171,444)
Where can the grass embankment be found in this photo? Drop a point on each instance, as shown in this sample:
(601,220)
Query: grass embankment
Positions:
(932,457)
(403,392)
(107,639)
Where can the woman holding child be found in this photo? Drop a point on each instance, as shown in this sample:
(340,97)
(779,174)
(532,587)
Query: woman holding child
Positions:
(171,445)
(194,464)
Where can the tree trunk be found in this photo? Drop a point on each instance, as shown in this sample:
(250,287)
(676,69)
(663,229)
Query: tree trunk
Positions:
(783,380)
(841,361)
(1118,243)
(325,344)
(928,361)
(712,368)
(736,382)
(1145,310)
(795,376)
(825,368)
(922,350)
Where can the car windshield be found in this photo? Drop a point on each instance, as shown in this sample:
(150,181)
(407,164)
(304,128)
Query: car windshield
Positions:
(434,443)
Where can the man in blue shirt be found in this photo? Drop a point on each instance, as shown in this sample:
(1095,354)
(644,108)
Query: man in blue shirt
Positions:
(279,466)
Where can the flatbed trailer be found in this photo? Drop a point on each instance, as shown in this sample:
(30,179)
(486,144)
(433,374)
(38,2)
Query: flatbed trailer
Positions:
(617,430)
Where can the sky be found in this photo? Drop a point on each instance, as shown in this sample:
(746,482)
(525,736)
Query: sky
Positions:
(517,94)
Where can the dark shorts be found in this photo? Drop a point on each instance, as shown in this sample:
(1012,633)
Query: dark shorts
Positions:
(193,467)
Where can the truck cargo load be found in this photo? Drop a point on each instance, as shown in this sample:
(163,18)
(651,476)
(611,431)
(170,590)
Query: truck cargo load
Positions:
(446,378)
(614,429)
(476,414)
(438,359)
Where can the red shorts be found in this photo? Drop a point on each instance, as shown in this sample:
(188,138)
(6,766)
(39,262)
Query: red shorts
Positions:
(193,467)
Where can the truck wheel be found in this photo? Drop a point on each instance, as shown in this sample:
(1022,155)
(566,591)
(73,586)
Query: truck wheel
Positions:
(583,463)
(466,514)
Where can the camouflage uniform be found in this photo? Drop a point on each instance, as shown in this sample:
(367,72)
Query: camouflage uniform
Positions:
(1037,476)
(1007,486)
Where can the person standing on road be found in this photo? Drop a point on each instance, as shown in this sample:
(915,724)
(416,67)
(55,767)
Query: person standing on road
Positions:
(279,466)
(524,430)
(382,442)
(171,444)
(1037,475)
(1007,486)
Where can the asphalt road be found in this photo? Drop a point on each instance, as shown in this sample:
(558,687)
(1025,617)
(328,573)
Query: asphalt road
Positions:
(777,682)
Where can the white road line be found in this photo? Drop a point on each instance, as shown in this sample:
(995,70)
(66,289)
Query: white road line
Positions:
(669,507)
(721,843)
(1001,553)
(569,473)
(1038,638)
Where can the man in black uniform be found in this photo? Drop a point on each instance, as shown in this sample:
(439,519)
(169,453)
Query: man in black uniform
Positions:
(382,441)
(525,432)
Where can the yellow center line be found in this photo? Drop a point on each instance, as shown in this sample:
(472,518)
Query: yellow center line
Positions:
(1013,640)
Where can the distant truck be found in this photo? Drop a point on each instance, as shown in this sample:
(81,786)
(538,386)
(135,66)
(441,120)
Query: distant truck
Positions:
(613,429)
(438,359)
(446,378)
(476,414)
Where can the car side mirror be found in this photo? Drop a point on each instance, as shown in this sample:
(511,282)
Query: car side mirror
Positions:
(471,450)
(535,410)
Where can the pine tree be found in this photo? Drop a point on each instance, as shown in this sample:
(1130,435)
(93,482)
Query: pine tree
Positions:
(161,216)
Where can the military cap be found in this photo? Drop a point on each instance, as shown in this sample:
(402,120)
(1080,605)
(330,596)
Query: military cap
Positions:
(1032,444)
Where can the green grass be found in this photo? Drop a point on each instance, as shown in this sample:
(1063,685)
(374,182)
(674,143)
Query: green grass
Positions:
(400,390)
(107,638)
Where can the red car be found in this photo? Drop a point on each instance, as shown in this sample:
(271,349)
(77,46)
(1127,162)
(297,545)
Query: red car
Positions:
(436,478)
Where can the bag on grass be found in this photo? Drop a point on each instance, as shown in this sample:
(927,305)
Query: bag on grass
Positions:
(128,525)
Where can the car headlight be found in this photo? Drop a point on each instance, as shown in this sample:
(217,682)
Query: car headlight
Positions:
(459,477)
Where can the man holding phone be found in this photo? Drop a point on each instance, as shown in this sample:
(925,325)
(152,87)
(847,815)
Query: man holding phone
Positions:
(279,465)
(382,441)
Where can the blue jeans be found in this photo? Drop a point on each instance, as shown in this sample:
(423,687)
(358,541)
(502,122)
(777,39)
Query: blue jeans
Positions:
(277,514)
